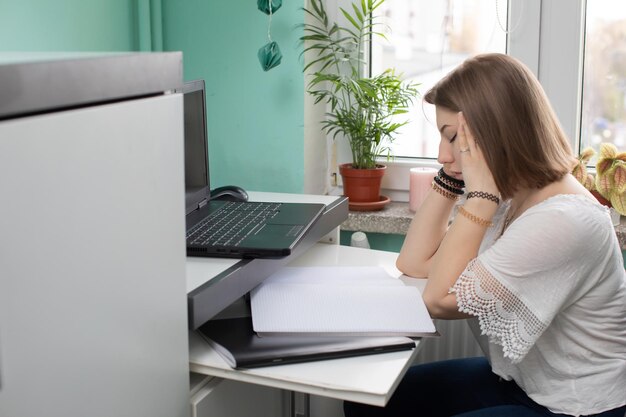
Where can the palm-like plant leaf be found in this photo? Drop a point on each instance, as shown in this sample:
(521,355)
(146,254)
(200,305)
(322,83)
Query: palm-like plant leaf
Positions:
(361,108)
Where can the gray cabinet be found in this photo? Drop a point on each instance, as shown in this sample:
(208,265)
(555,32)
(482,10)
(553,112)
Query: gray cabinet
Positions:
(92,254)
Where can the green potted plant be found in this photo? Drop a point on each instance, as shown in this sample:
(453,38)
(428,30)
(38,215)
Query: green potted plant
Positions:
(361,108)
(609,183)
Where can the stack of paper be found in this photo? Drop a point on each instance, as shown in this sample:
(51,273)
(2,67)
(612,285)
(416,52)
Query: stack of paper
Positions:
(346,301)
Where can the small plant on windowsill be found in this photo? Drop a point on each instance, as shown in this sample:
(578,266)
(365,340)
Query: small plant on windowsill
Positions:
(362,109)
(609,183)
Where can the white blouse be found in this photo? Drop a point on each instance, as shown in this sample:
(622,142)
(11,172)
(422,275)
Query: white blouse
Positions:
(550,299)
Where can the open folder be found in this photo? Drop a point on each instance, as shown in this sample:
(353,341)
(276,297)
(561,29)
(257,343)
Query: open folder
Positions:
(338,301)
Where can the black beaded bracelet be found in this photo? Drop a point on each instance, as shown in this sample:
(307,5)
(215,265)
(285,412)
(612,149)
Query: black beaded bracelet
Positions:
(453,185)
(447,187)
(454,182)
(485,195)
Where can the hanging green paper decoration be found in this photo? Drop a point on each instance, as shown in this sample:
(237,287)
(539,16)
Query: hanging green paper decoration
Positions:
(267,6)
(269,54)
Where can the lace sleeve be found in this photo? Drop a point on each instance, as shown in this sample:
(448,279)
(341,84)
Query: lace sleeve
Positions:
(503,317)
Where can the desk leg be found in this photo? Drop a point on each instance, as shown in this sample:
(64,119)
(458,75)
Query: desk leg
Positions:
(305,401)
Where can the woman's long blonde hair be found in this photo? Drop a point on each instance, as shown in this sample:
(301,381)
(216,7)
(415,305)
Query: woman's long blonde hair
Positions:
(511,118)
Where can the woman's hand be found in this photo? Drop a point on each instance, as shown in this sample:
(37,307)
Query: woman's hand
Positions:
(462,241)
(476,173)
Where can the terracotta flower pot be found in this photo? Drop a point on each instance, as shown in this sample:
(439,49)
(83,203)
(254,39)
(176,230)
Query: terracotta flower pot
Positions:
(361,185)
(601,199)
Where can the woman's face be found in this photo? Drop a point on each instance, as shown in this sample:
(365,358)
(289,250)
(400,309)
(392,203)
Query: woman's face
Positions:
(449,155)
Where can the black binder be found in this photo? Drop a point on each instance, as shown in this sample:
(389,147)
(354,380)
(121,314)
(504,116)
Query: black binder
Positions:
(240,347)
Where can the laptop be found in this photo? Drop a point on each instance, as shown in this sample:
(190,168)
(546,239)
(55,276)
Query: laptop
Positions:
(234,229)
(235,341)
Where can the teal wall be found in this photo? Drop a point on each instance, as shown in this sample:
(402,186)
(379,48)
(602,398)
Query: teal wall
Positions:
(68,25)
(255,118)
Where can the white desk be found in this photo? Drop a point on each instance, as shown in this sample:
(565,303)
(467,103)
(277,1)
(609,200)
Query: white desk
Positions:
(368,379)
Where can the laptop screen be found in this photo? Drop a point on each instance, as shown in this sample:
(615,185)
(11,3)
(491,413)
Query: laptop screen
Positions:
(196,149)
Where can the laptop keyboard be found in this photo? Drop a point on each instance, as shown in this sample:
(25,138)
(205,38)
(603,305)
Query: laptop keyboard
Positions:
(230,225)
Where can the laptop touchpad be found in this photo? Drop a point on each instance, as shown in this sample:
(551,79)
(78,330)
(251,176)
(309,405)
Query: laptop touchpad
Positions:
(279,230)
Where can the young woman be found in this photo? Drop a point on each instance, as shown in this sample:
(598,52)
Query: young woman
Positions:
(531,258)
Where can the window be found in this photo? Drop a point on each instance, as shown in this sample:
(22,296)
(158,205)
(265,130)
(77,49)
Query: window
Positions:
(546,35)
(425,40)
(604,82)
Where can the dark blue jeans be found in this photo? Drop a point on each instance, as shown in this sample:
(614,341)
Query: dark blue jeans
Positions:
(460,388)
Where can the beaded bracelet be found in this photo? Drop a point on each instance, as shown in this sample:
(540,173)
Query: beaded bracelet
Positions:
(454,182)
(444,193)
(485,195)
(478,220)
(448,187)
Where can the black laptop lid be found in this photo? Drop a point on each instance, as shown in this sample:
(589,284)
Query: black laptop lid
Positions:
(197,186)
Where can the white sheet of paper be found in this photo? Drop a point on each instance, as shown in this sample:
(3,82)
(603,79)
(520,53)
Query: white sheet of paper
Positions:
(338,300)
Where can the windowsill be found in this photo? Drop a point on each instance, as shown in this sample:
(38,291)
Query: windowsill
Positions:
(396,217)
(392,219)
